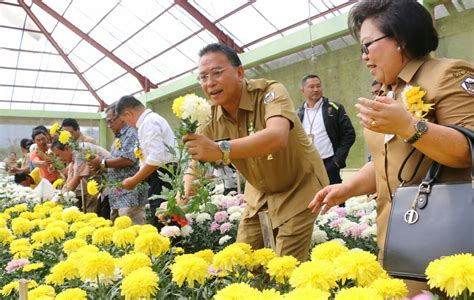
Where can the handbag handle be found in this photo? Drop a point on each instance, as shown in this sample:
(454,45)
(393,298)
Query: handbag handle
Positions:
(433,173)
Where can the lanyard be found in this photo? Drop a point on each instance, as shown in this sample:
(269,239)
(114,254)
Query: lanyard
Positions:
(311,122)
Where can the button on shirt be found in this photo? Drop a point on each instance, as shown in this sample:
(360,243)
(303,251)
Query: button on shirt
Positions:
(313,123)
(154,133)
(121,198)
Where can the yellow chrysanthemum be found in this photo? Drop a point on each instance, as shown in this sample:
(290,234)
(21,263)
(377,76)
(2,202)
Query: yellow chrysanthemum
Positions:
(53,235)
(358,293)
(190,268)
(206,254)
(452,274)
(71,215)
(64,137)
(390,288)
(413,100)
(314,274)
(89,216)
(307,294)
(54,128)
(141,283)
(72,294)
(124,237)
(32,267)
(103,236)
(131,262)
(271,294)
(360,266)
(73,245)
(261,257)
(3,223)
(5,236)
(123,222)
(281,268)
(84,232)
(138,153)
(63,270)
(147,228)
(152,244)
(178,250)
(21,226)
(237,291)
(77,225)
(21,248)
(117,144)
(9,288)
(93,265)
(5,216)
(328,251)
(42,292)
(58,183)
(59,223)
(177,106)
(92,187)
(229,258)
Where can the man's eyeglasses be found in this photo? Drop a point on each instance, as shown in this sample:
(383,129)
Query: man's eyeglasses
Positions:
(111,120)
(364,48)
(214,75)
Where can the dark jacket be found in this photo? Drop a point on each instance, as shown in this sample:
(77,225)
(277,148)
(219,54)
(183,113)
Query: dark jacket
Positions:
(338,127)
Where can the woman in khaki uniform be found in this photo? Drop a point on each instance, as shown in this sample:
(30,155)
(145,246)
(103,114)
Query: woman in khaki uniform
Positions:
(396,39)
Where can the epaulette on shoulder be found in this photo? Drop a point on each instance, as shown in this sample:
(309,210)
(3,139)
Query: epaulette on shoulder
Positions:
(333,104)
(258,84)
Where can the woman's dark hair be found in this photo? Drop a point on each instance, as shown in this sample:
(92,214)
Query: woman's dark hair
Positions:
(20,177)
(38,132)
(69,122)
(26,143)
(407,21)
(57,144)
(226,50)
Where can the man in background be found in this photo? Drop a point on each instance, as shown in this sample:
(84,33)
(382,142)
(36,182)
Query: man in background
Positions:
(72,126)
(327,125)
(121,165)
(154,133)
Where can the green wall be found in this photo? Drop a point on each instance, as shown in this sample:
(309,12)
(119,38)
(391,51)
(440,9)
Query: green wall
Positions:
(345,77)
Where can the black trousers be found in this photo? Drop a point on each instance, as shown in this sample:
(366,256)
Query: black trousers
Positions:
(156,187)
(334,173)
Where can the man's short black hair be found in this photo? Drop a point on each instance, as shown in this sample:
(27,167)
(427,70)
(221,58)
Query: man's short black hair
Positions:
(40,127)
(375,82)
(310,76)
(57,144)
(38,132)
(407,21)
(20,177)
(226,50)
(127,102)
(68,122)
(26,143)
(111,108)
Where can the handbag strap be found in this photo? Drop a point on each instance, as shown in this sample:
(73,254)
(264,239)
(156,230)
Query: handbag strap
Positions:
(418,164)
(435,170)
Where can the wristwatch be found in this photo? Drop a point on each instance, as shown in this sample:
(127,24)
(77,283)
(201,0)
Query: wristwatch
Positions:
(225,147)
(103,164)
(421,128)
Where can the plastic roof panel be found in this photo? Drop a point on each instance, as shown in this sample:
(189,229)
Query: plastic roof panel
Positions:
(154,39)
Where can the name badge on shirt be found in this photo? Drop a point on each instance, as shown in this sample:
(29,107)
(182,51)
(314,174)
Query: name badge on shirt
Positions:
(389,137)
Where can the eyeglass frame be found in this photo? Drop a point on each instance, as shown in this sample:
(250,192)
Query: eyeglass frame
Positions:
(215,73)
(108,122)
(364,47)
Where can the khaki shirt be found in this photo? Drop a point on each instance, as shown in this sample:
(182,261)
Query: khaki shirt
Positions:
(442,79)
(288,179)
(86,139)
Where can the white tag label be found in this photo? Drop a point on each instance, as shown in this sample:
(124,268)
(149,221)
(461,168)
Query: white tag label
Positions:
(389,137)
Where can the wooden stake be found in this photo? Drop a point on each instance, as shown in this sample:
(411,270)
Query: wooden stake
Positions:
(23,289)
(267,230)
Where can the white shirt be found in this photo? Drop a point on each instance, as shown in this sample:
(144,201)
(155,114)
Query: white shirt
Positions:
(313,123)
(154,133)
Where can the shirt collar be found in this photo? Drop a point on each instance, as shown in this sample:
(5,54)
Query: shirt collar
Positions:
(123,130)
(316,105)
(245,101)
(410,69)
(142,117)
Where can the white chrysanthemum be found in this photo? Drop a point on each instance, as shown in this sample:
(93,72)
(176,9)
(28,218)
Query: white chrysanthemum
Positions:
(203,217)
(233,209)
(319,236)
(346,227)
(235,216)
(186,231)
(170,231)
(370,232)
(224,239)
(340,241)
(196,109)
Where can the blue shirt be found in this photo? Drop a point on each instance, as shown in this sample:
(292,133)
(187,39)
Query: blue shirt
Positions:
(123,146)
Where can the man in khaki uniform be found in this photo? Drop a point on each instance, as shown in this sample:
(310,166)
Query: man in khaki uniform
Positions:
(73,127)
(267,144)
